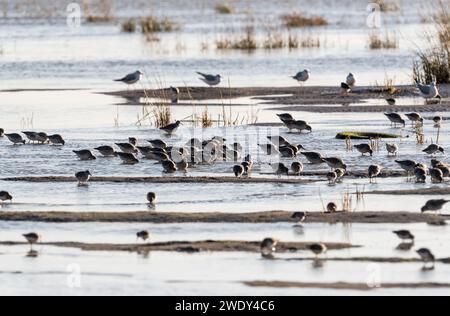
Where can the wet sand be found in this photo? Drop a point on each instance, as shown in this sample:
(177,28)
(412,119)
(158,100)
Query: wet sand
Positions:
(260,217)
(184,246)
(344,285)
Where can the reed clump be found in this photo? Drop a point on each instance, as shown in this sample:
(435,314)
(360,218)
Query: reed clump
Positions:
(389,41)
(224,8)
(102,12)
(297,20)
(128,26)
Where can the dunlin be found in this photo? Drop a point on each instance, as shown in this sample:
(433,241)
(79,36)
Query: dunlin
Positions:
(415,118)
(434,205)
(83,177)
(238,171)
(408,165)
(302,76)
(364,149)
(56,139)
(5,196)
(332,207)
(287,152)
(345,89)
(42,137)
(15,138)
(297,168)
(84,154)
(392,149)
(420,174)
(32,238)
(437,176)
(127,148)
(374,171)
(300,217)
(106,151)
(169,166)
(285,117)
(151,198)
(171,128)
(437,120)
(128,159)
(318,249)
(248,166)
(427,256)
(395,119)
(404,235)
(351,80)
(335,163)
(391,101)
(158,143)
(144,235)
(314,157)
(298,125)
(434,148)
(268,246)
(280,169)
(332,177)
(2,132)
(32,136)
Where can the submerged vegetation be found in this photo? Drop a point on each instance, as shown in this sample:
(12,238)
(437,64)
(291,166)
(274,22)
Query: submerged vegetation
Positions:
(389,41)
(296,20)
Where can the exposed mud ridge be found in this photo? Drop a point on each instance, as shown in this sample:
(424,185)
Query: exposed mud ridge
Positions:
(345,285)
(425,191)
(217,217)
(185,246)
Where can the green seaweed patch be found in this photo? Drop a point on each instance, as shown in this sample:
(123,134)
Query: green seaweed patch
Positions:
(365,135)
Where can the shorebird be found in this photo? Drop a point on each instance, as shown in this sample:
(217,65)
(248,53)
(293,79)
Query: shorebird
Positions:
(285,117)
(132,78)
(32,136)
(318,249)
(83,177)
(332,207)
(298,125)
(351,80)
(420,174)
(345,89)
(106,151)
(436,163)
(300,217)
(84,154)
(158,143)
(332,177)
(268,246)
(174,93)
(15,138)
(437,176)
(427,256)
(280,169)
(445,170)
(210,80)
(374,172)
(56,139)
(171,128)
(238,171)
(182,165)
(391,101)
(287,152)
(5,196)
(434,205)
(278,140)
(32,238)
(408,165)
(269,149)
(395,119)
(392,149)
(335,163)
(2,132)
(404,235)
(169,166)
(364,149)
(133,141)
(434,148)
(302,76)
(415,118)
(42,137)
(128,159)
(340,173)
(127,148)
(314,157)
(428,91)
(438,120)
(297,168)
(144,235)
(248,166)
(151,198)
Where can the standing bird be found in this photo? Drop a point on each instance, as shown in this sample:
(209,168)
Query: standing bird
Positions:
(83,177)
(2,132)
(345,89)
(171,128)
(364,149)
(151,198)
(298,125)
(285,117)
(268,246)
(428,91)
(32,136)
(332,207)
(395,119)
(280,169)
(174,94)
(392,149)
(408,165)
(437,120)
(437,176)
(318,249)
(128,159)
(297,168)
(169,166)
(106,151)
(41,137)
(132,78)
(332,177)
(427,256)
(248,166)
(335,163)
(158,143)
(391,101)
(314,157)
(84,154)
(374,172)
(210,80)
(32,238)
(127,148)
(269,149)
(420,174)
(405,235)
(15,138)
(434,148)
(302,76)
(238,171)
(434,205)
(5,196)
(144,235)
(300,217)
(278,140)
(340,173)
(415,118)
(351,80)
(56,139)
